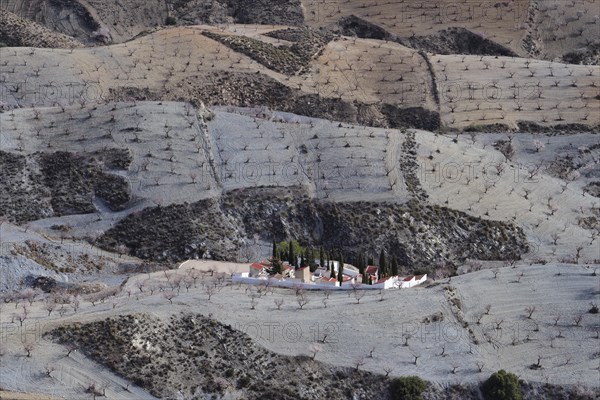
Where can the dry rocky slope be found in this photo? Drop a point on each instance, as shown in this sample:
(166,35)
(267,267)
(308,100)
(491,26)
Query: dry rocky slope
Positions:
(20,32)
(525,28)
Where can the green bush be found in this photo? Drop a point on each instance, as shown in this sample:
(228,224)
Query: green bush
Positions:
(171,21)
(502,385)
(408,388)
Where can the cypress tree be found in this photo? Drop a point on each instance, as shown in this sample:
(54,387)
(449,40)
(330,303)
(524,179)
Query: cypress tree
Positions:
(274,253)
(321,257)
(341,269)
(291,255)
(394,266)
(382,263)
(370,261)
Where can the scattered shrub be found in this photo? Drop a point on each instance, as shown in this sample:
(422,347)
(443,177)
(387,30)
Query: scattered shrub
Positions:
(502,385)
(408,388)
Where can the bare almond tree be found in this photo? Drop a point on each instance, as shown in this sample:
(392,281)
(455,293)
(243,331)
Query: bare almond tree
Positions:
(359,362)
(210,289)
(358,294)
(28,346)
(302,299)
(530,310)
(314,349)
(169,295)
(278,303)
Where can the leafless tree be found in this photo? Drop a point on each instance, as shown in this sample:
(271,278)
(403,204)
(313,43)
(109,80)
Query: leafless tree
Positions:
(302,299)
(480,366)
(578,319)
(358,294)
(487,309)
(359,362)
(49,369)
(556,319)
(210,289)
(70,347)
(50,305)
(21,317)
(169,295)
(529,310)
(371,350)
(416,357)
(28,347)
(315,348)
(254,300)
(278,303)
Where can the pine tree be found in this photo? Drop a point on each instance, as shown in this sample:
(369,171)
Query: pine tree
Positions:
(394,266)
(370,261)
(302,261)
(276,267)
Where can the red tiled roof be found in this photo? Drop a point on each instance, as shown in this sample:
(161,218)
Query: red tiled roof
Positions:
(257,266)
(371,269)
(409,278)
(382,280)
(418,277)
(328,279)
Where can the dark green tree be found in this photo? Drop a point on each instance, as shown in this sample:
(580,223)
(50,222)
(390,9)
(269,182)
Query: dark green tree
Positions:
(382,263)
(276,267)
(291,256)
(341,269)
(502,385)
(408,388)
(394,266)
(274,253)
(321,257)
